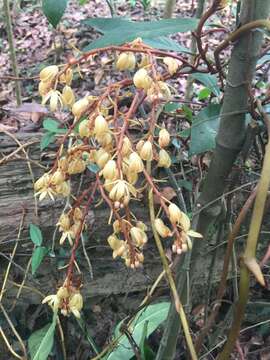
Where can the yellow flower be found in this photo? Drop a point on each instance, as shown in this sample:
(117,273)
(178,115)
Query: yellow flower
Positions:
(53,301)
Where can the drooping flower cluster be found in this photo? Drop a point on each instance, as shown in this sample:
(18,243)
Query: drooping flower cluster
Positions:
(101,143)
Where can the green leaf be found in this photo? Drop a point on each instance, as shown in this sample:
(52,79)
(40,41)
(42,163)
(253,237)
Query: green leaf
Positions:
(82,2)
(54,10)
(204,93)
(172,106)
(41,341)
(154,315)
(35,234)
(46,139)
(37,257)
(131,30)
(185,184)
(165,43)
(208,80)
(188,112)
(93,168)
(204,129)
(53,126)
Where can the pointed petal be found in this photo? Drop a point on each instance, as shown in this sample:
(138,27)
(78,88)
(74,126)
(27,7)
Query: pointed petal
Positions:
(195,234)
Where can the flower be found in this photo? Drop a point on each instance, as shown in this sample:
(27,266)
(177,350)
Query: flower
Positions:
(173,64)
(126,61)
(53,301)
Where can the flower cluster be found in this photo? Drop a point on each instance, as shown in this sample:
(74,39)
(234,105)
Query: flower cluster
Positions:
(100,139)
(68,300)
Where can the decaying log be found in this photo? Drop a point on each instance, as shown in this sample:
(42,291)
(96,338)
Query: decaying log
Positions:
(110,276)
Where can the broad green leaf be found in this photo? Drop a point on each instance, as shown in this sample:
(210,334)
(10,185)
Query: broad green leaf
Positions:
(131,30)
(54,10)
(172,107)
(37,257)
(208,80)
(53,126)
(46,139)
(35,234)
(165,43)
(204,93)
(154,315)
(41,341)
(204,129)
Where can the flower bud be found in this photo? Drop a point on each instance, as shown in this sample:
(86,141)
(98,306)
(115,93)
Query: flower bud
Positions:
(57,178)
(108,185)
(84,129)
(126,147)
(80,107)
(140,257)
(76,166)
(116,226)
(68,96)
(54,100)
(67,76)
(63,189)
(139,145)
(114,242)
(110,170)
(142,80)
(44,88)
(64,222)
(146,152)
(63,164)
(162,229)
(132,177)
(105,139)
(126,61)
(76,304)
(43,181)
(48,73)
(77,214)
(172,64)
(119,190)
(135,163)
(164,159)
(101,158)
(141,225)
(101,125)
(163,138)
(138,236)
(62,293)
(175,213)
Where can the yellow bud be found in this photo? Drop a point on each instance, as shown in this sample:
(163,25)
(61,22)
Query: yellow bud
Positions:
(119,191)
(68,96)
(139,145)
(144,61)
(48,73)
(163,138)
(164,159)
(126,61)
(175,213)
(126,147)
(63,164)
(101,125)
(105,139)
(76,302)
(114,242)
(69,76)
(57,178)
(142,80)
(140,257)
(162,229)
(62,293)
(132,177)
(64,222)
(55,98)
(44,88)
(76,166)
(80,107)
(110,170)
(63,189)
(135,163)
(146,152)
(138,236)
(77,215)
(101,158)
(172,64)
(116,226)
(42,182)
(84,129)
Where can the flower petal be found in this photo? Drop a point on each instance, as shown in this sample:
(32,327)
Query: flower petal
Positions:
(195,234)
